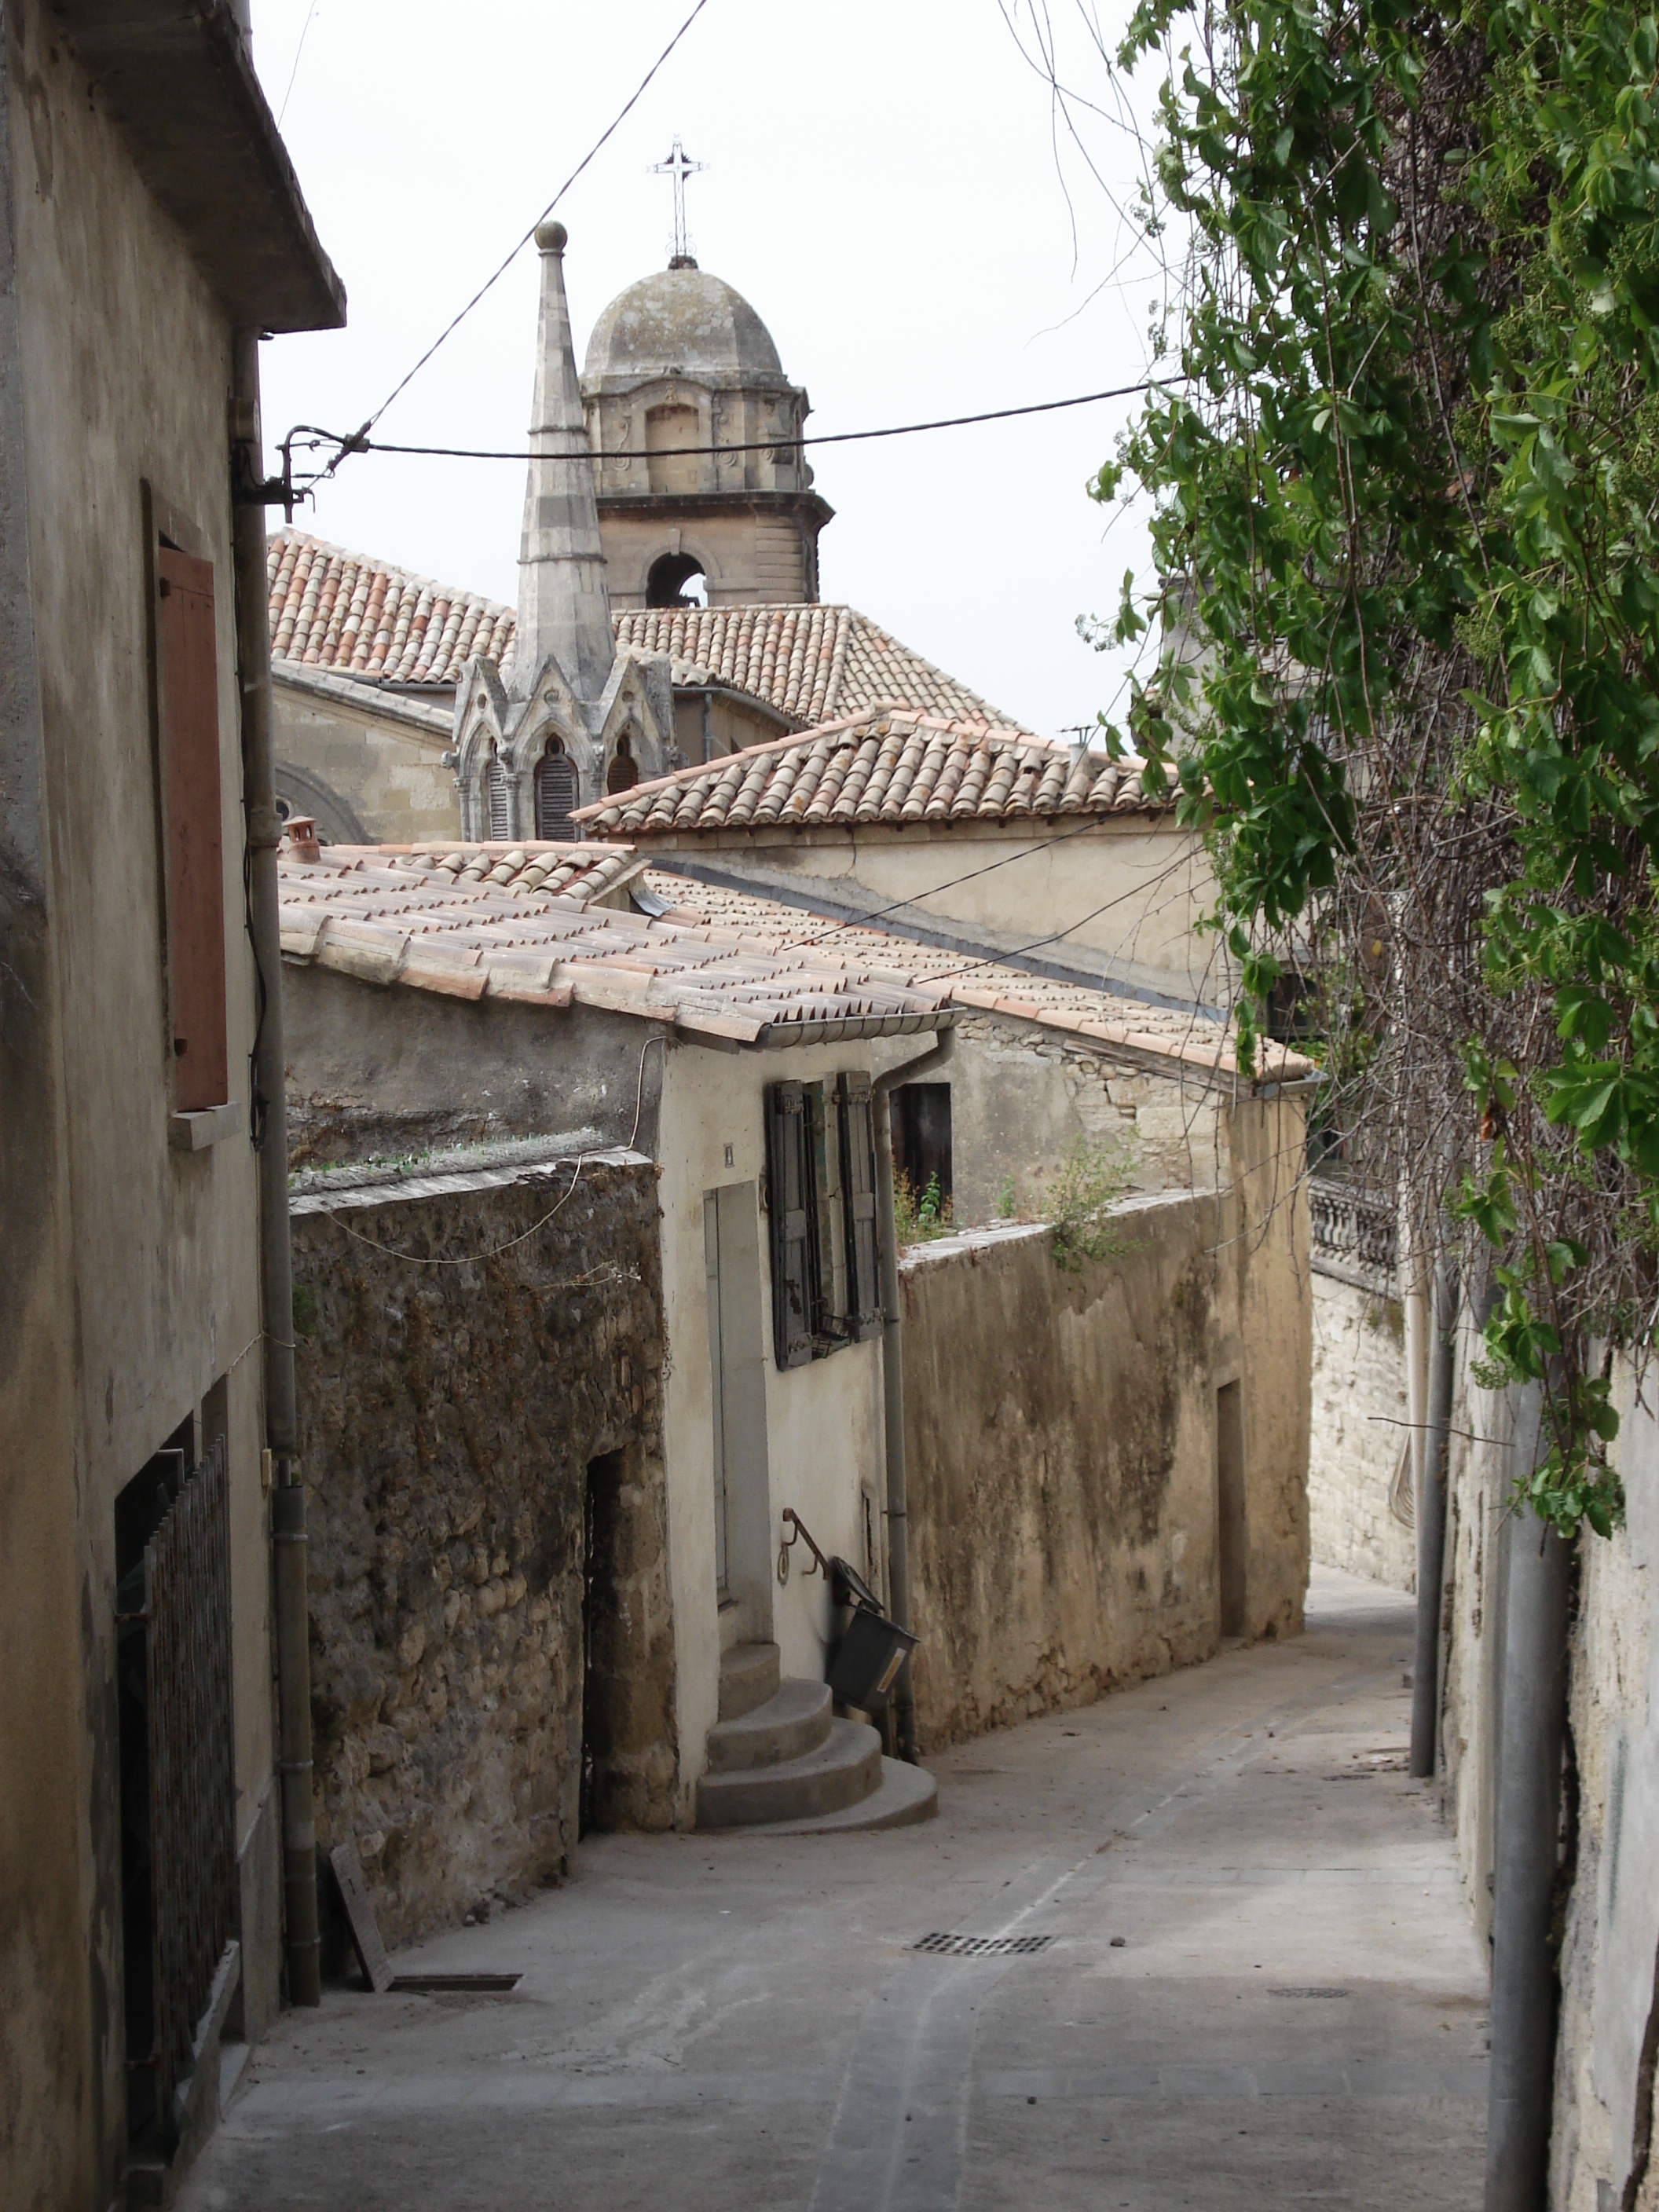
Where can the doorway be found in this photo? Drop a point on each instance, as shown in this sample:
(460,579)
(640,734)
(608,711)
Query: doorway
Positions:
(1233,1528)
(921,1140)
(737,1376)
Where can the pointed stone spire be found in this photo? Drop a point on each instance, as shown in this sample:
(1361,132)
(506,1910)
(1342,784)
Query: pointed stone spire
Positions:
(564,606)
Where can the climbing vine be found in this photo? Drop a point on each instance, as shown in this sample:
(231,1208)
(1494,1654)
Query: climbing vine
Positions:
(1405,473)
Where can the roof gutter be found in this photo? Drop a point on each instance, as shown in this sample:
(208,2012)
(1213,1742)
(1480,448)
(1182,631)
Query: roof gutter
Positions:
(892,1374)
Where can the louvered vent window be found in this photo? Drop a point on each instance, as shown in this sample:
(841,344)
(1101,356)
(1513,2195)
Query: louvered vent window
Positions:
(495,791)
(555,793)
(821,1189)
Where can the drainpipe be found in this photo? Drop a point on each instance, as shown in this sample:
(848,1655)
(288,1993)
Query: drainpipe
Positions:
(1431,1525)
(1534,1725)
(892,1374)
(288,1500)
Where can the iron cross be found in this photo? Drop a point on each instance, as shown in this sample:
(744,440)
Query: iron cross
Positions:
(678,166)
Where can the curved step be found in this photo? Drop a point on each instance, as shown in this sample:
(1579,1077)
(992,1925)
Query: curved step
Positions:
(843,1771)
(794,1721)
(906,1795)
(749,1676)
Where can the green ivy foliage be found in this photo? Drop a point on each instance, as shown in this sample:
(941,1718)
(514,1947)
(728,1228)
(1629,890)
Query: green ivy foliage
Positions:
(1381,446)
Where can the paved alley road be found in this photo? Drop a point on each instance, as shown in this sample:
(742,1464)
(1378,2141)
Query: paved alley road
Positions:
(1261,1989)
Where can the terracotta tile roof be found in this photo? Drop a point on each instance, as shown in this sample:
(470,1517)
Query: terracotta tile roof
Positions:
(1196,1044)
(809,663)
(354,615)
(392,914)
(888,767)
(334,610)
(578,874)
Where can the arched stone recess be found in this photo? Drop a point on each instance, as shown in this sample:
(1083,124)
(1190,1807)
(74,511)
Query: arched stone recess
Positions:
(687,545)
(638,704)
(482,710)
(301,792)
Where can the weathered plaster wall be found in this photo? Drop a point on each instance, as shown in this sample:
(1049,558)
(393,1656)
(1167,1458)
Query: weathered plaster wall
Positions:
(115,377)
(377,1073)
(1023,1098)
(448,1417)
(1061,1445)
(1359,1434)
(1128,893)
(1609,1961)
(824,1421)
(384,757)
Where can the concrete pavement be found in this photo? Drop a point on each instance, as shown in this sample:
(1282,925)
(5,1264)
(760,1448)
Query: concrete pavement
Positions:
(1261,1988)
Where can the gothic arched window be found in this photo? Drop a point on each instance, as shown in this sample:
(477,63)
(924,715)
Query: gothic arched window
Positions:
(496,795)
(555,793)
(624,770)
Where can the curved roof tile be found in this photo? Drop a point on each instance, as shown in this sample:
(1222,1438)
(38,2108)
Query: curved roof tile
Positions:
(891,766)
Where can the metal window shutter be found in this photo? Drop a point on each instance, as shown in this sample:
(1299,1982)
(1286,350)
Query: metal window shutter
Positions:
(789,1202)
(858,1184)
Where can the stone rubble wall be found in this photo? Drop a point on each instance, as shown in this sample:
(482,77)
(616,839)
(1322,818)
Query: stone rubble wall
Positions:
(1021,1099)
(1060,1448)
(448,1417)
(1358,1435)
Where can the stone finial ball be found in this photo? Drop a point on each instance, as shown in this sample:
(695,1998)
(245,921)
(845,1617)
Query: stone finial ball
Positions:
(551,237)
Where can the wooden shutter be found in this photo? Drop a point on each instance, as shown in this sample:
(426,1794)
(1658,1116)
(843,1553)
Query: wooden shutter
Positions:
(858,1199)
(495,792)
(789,1196)
(187,696)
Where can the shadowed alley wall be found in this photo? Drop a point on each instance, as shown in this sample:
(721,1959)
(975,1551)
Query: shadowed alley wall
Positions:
(450,1415)
(1060,1436)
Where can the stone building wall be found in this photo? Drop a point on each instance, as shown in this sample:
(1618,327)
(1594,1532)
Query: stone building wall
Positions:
(456,1413)
(1061,1439)
(1359,1485)
(1610,1881)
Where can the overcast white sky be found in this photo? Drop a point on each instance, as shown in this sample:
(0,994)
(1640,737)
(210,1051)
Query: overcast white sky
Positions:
(881,187)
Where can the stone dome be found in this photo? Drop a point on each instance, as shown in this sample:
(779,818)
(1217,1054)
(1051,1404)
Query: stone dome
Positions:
(681,321)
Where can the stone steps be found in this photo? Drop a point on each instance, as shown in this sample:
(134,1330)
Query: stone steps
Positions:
(749,1676)
(841,1772)
(904,1795)
(780,1763)
(794,1721)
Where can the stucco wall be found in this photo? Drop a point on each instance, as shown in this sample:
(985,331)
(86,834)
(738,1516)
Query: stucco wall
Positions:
(1023,1098)
(449,1415)
(1359,1433)
(1127,892)
(116,377)
(383,1073)
(1061,1446)
(1609,1959)
(824,1421)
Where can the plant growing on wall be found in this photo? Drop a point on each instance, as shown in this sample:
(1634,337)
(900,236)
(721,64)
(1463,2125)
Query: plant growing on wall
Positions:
(1078,1202)
(1406,467)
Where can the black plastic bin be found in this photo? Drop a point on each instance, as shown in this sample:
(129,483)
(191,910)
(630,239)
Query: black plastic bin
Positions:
(872,1648)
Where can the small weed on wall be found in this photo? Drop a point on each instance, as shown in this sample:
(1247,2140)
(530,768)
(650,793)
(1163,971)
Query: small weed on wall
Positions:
(1078,1204)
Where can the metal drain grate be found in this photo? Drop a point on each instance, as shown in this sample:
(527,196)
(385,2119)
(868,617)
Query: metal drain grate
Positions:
(1309,1993)
(984,1946)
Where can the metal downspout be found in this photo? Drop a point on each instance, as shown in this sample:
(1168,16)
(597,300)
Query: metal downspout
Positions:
(892,1372)
(1533,1728)
(288,1502)
(1431,1525)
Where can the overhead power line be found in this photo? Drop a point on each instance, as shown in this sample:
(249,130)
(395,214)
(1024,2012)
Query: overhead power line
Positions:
(357,444)
(311,434)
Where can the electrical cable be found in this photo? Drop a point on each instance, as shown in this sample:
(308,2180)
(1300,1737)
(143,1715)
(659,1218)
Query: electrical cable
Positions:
(470,1259)
(358,443)
(309,435)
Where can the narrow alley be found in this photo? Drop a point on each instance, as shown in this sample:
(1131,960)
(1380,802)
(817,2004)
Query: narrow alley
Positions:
(1248,1978)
